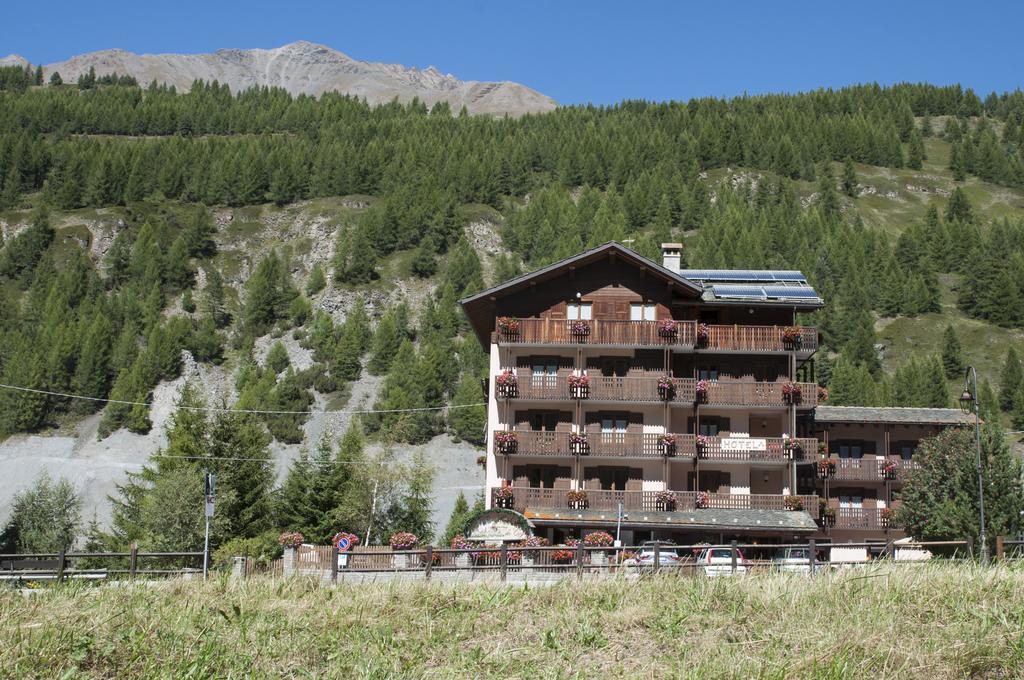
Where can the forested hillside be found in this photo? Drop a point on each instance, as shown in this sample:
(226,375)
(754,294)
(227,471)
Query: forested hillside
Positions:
(252,228)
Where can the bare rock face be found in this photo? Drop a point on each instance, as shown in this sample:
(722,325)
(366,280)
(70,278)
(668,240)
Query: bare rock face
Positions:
(307,68)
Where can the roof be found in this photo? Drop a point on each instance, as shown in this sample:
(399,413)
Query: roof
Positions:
(891,414)
(710,518)
(722,286)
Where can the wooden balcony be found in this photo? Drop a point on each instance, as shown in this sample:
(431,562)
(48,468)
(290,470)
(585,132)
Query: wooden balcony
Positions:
(865,519)
(720,393)
(869,469)
(649,445)
(619,333)
(601,499)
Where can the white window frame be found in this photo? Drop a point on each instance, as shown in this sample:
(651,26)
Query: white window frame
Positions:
(579,311)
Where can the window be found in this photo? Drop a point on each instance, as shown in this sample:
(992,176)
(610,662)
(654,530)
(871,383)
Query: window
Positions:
(905,450)
(613,424)
(544,372)
(615,367)
(641,311)
(709,373)
(543,421)
(851,501)
(579,310)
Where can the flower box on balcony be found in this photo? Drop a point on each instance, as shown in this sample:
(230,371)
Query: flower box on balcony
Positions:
(885,516)
(702,500)
(826,468)
(889,470)
(506,442)
(504,498)
(793,503)
(791,393)
(668,445)
(666,500)
(703,444)
(792,449)
(792,337)
(826,515)
(507,384)
(579,330)
(509,326)
(577,499)
(578,443)
(579,386)
(702,336)
(666,388)
(822,394)
(700,394)
(668,329)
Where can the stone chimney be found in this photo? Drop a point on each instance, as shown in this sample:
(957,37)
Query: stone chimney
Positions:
(671,255)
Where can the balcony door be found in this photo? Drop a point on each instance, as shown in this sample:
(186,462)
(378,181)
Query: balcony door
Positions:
(714,481)
(643,311)
(613,478)
(542,476)
(544,373)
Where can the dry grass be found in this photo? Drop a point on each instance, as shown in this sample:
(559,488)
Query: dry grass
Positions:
(930,622)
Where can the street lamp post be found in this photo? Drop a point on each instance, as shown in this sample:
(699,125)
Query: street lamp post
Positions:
(968,404)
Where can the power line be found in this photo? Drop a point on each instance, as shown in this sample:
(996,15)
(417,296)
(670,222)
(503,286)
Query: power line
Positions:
(217,409)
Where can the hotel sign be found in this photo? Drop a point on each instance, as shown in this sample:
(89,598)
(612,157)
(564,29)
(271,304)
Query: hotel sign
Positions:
(734,444)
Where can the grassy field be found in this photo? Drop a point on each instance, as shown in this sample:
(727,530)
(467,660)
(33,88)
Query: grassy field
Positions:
(938,621)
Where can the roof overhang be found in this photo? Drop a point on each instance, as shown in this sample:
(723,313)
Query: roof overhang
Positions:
(711,519)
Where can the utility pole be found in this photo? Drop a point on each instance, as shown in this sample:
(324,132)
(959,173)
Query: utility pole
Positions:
(373,509)
(969,403)
(211,488)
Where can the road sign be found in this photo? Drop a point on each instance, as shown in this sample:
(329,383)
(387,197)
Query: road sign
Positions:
(343,544)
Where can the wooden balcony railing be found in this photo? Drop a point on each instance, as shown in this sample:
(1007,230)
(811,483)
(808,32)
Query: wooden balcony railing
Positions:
(869,469)
(616,332)
(651,445)
(645,390)
(601,499)
(868,519)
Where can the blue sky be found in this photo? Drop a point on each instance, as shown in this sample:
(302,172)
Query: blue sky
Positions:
(576,52)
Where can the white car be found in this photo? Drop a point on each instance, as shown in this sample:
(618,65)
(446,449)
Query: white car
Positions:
(795,560)
(718,561)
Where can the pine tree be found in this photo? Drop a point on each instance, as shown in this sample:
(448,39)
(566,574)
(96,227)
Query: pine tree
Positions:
(44,518)
(952,353)
(457,520)
(1011,379)
(317,282)
(386,340)
(468,416)
(957,163)
(277,358)
(1017,415)
(828,201)
(55,79)
(214,305)
(915,152)
(959,207)
(850,185)
(239,447)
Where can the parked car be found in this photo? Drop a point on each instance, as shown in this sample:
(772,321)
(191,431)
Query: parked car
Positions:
(718,561)
(644,558)
(796,560)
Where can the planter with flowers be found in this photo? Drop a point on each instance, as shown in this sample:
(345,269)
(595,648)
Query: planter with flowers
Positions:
(889,469)
(822,394)
(504,497)
(509,326)
(579,386)
(482,461)
(506,442)
(793,503)
(701,391)
(791,393)
(703,445)
(792,337)
(578,443)
(702,336)
(401,542)
(826,514)
(666,388)
(530,556)
(598,539)
(668,445)
(566,554)
(826,468)
(508,384)
(577,499)
(702,500)
(579,330)
(666,500)
(791,447)
(668,329)
(291,539)
(464,558)
(885,516)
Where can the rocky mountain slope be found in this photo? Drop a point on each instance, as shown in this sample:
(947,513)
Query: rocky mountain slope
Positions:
(306,68)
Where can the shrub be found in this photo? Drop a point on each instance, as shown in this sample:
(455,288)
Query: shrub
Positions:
(598,539)
(403,540)
(291,539)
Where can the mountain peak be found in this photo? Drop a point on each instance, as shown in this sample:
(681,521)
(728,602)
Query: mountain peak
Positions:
(304,67)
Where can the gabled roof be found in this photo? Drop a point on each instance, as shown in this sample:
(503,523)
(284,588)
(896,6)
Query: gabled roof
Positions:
(898,415)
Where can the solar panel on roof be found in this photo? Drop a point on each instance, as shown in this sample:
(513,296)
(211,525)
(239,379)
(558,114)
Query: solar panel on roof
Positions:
(790,291)
(727,290)
(743,275)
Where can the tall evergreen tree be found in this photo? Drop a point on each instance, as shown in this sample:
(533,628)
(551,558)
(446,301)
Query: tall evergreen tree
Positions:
(952,353)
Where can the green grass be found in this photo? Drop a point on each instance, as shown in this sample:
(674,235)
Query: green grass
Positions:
(928,621)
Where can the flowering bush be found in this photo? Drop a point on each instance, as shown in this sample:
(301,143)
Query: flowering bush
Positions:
(822,393)
(508,324)
(703,333)
(793,503)
(291,539)
(576,381)
(533,542)
(403,540)
(459,542)
(598,539)
(580,328)
(791,393)
(353,540)
(668,328)
(507,378)
(666,499)
(702,499)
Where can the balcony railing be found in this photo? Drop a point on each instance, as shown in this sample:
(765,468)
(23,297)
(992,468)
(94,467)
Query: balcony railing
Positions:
(870,469)
(616,332)
(646,390)
(601,499)
(867,519)
(651,445)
